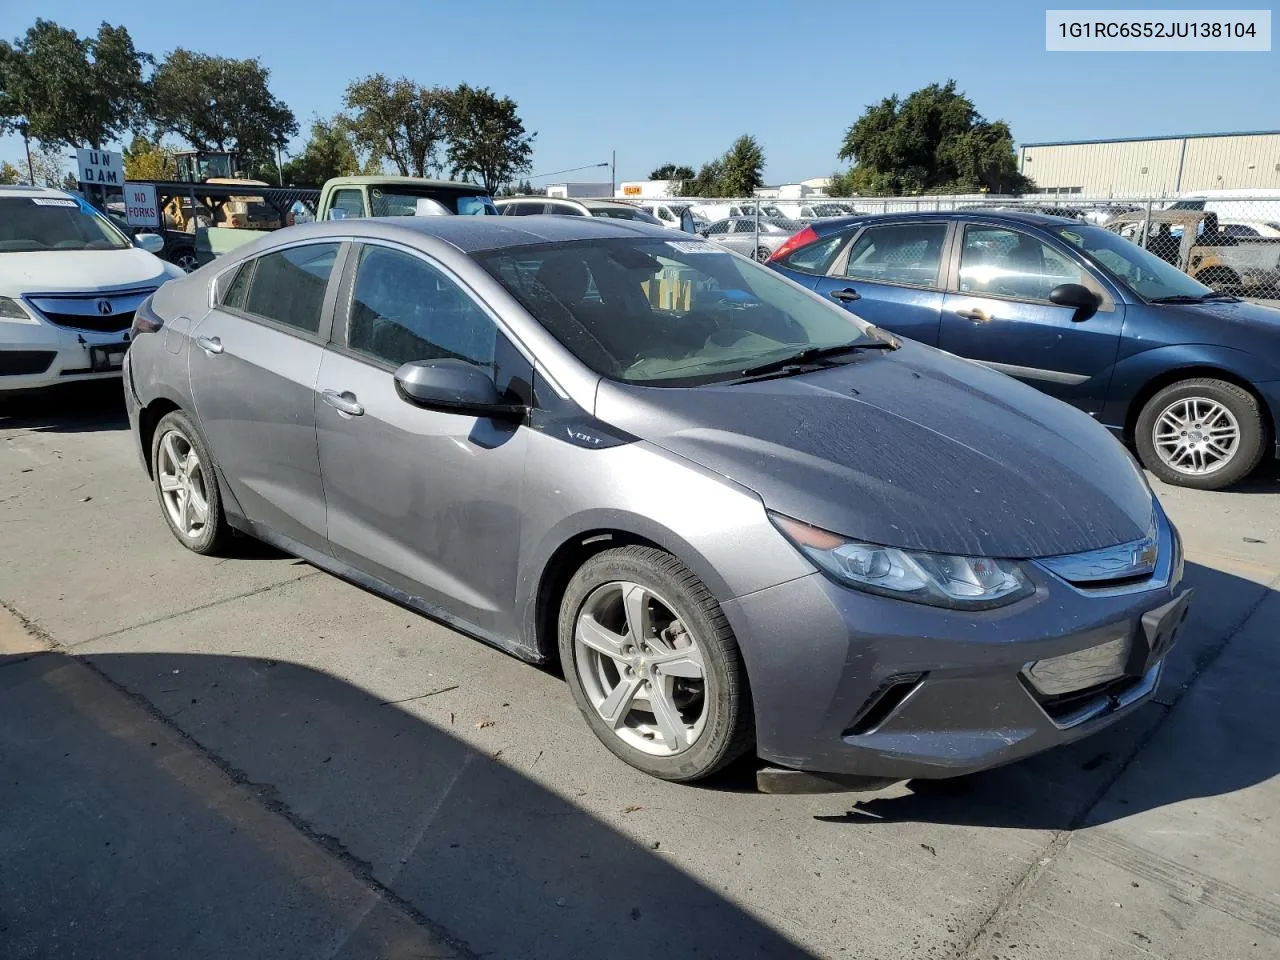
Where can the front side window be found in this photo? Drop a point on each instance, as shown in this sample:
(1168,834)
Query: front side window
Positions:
(287,287)
(996,261)
(907,253)
(37,224)
(346,204)
(403,309)
(720,226)
(667,312)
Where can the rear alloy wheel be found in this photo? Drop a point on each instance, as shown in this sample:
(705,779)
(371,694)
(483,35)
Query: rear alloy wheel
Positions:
(763,254)
(1203,433)
(653,665)
(186,260)
(185,485)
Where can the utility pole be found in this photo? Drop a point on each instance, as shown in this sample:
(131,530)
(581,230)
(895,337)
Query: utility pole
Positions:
(31,170)
(613,176)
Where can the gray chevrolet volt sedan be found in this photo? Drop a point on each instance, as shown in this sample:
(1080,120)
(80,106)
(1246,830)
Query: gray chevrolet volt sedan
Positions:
(739,517)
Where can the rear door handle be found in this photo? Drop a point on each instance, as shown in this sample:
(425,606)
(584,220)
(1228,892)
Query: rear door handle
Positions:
(343,402)
(209,344)
(974,314)
(847,295)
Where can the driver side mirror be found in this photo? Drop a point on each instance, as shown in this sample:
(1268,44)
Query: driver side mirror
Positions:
(150,242)
(1076,295)
(454,386)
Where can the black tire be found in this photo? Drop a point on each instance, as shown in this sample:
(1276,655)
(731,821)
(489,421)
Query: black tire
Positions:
(729,728)
(213,537)
(1242,405)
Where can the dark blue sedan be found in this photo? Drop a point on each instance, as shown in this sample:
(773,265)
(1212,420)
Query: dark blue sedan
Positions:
(1188,376)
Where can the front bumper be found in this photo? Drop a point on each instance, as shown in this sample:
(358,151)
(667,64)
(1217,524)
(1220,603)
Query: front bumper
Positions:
(849,683)
(34,356)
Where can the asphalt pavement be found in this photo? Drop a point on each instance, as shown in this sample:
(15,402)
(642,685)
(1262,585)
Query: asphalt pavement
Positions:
(246,757)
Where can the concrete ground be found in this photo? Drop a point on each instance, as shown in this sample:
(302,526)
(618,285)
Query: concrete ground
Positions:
(250,758)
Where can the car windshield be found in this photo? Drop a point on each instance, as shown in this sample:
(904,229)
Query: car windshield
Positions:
(1150,277)
(403,201)
(31,224)
(626,213)
(667,312)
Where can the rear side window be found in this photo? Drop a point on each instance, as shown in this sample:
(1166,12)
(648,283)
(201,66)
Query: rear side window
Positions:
(288,286)
(908,253)
(235,291)
(816,257)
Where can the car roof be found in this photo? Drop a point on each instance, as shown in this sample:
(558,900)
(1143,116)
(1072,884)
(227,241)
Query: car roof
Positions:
(1012,218)
(380,180)
(474,234)
(26,190)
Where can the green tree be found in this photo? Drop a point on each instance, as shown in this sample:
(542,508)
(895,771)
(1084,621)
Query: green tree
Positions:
(398,121)
(743,165)
(217,103)
(522,189)
(487,138)
(11,174)
(146,159)
(933,141)
(328,154)
(61,88)
(672,171)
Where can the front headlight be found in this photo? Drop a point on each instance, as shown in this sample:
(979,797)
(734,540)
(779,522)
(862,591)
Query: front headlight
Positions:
(11,309)
(961,583)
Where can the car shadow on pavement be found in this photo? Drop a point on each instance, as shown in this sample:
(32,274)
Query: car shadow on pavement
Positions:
(70,408)
(504,865)
(1225,739)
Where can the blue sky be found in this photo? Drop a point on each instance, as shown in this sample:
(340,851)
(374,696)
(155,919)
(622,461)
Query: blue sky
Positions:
(679,83)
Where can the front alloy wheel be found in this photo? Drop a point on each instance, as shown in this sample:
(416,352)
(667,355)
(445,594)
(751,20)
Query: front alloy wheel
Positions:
(1196,436)
(1203,433)
(653,664)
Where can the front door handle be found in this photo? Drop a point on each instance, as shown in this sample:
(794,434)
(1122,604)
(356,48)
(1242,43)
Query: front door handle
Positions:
(209,345)
(343,402)
(974,314)
(847,295)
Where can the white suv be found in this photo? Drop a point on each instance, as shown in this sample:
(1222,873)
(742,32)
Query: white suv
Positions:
(70,281)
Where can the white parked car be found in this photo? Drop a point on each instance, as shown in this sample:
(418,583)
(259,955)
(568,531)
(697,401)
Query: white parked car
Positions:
(673,216)
(70,281)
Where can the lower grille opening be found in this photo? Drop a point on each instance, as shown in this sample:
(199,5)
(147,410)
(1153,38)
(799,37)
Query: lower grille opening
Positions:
(887,698)
(1062,706)
(111,323)
(17,363)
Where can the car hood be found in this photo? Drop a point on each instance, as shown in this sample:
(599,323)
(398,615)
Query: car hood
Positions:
(68,271)
(1249,317)
(915,449)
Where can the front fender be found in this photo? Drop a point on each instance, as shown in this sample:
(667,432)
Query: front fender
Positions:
(1135,372)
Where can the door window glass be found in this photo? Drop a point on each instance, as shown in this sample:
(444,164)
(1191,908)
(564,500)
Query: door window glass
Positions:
(816,257)
(719,227)
(1007,263)
(346,203)
(235,294)
(899,253)
(403,309)
(288,286)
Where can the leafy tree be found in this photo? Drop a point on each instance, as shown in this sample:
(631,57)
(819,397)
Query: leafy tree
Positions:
(61,88)
(146,159)
(743,168)
(217,103)
(398,120)
(672,171)
(522,189)
(11,174)
(487,138)
(328,154)
(933,141)
(708,182)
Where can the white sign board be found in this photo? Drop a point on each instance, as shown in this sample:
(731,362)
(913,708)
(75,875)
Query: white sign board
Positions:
(100,166)
(140,205)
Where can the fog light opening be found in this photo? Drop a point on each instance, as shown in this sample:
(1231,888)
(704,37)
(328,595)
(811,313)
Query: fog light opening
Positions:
(881,704)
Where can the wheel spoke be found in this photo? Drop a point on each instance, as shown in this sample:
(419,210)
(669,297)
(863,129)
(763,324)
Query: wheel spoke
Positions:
(670,723)
(184,512)
(676,661)
(170,448)
(617,704)
(198,506)
(599,638)
(635,600)
(169,483)
(1220,451)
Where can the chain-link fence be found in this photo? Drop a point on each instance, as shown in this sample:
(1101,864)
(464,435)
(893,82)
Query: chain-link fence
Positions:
(1228,242)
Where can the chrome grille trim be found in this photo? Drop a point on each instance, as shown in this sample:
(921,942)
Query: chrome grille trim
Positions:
(1132,567)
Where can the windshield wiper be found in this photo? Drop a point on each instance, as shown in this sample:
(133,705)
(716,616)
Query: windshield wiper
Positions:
(1201,298)
(808,359)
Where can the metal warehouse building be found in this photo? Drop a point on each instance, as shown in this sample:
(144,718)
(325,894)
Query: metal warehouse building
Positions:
(1155,166)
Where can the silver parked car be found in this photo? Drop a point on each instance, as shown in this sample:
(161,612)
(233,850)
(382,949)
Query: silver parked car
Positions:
(742,519)
(573,207)
(740,235)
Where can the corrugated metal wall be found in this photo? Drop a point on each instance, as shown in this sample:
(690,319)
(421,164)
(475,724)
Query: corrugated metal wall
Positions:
(1157,167)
